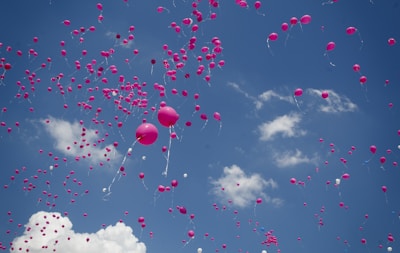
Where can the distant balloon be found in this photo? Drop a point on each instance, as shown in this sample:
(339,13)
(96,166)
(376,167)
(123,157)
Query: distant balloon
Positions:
(384,188)
(199,250)
(351,30)
(372,148)
(306,19)
(330,46)
(298,92)
(391,41)
(146,134)
(324,94)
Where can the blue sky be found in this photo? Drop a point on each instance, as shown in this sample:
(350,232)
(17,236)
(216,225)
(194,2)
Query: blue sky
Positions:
(66,131)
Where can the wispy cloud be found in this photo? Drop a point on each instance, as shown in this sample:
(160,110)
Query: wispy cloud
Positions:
(59,237)
(270,94)
(285,125)
(74,140)
(334,103)
(292,158)
(237,88)
(243,190)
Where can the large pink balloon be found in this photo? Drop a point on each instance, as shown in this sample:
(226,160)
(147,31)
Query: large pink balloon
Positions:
(167,116)
(146,133)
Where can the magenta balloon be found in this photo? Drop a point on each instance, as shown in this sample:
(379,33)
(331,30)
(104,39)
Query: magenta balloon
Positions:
(190,233)
(382,159)
(384,188)
(217,116)
(391,41)
(330,46)
(146,134)
(306,19)
(372,148)
(257,5)
(363,79)
(324,94)
(351,30)
(167,116)
(298,92)
(293,21)
(346,176)
(356,67)
(273,36)
(284,27)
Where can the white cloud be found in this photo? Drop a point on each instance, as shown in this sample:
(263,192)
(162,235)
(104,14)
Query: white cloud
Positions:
(334,103)
(243,190)
(291,159)
(71,140)
(55,232)
(236,87)
(285,125)
(270,94)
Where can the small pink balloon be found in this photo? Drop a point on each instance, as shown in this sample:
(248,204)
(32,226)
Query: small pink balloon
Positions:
(346,176)
(285,27)
(190,233)
(384,188)
(391,41)
(372,148)
(351,30)
(293,21)
(217,116)
(298,92)
(363,79)
(306,19)
(330,46)
(382,159)
(293,180)
(259,200)
(356,67)
(324,94)
(273,36)
(257,5)
(146,134)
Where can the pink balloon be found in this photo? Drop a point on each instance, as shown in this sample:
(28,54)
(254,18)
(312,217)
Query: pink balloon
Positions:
(298,92)
(174,183)
(345,176)
(293,180)
(146,134)
(167,116)
(356,67)
(293,21)
(306,19)
(259,201)
(257,5)
(363,79)
(190,233)
(372,148)
(273,36)
(351,30)
(284,27)
(217,116)
(330,46)
(391,41)
(382,159)
(324,94)
(384,188)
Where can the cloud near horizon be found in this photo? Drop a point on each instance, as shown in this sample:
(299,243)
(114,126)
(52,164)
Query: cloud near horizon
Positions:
(50,231)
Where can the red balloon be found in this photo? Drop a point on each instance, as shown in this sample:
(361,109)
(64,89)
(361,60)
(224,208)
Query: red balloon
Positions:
(146,134)
(167,116)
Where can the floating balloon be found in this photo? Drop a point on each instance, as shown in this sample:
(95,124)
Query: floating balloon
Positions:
(298,92)
(306,19)
(167,116)
(146,133)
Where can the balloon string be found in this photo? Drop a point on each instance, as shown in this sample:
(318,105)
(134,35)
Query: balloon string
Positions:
(165,173)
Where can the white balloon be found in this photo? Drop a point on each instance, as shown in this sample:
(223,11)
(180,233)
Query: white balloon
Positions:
(389,249)
(185,175)
(264,251)
(129,150)
(199,250)
(338,181)
(104,189)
